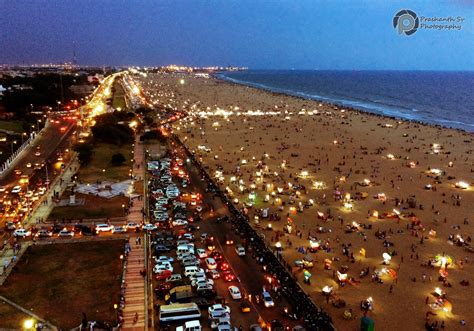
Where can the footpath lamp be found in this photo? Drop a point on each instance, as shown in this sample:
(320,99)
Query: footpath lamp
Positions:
(11,145)
(29,324)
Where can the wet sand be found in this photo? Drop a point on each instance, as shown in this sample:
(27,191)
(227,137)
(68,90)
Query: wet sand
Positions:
(268,140)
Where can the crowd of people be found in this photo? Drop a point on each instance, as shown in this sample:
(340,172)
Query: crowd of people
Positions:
(314,317)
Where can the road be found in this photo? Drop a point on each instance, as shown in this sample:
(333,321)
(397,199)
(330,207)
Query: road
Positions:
(251,275)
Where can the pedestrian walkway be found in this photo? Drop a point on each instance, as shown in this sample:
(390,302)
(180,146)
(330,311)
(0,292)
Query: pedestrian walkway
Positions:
(135,287)
(135,296)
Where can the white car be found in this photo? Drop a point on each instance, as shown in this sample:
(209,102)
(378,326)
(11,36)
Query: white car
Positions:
(119,229)
(132,226)
(190,326)
(218,310)
(150,227)
(211,263)
(267,299)
(16,189)
(174,278)
(180,222)
(103,228)
(22,233)
(199,208)
(201,253)
(42,190)
(162,268)
(235,292)
(164,258)
(193,271)
(202,281)
(240,250)
(65,233)
(204,287)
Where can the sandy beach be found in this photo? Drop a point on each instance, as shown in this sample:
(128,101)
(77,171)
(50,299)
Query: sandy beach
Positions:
(349,185)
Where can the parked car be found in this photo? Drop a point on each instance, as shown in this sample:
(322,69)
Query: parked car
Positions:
(218,310)
(164,259)
(201,253)
(174,278)
(211,263)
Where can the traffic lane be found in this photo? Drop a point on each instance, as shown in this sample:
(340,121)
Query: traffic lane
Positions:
(48,142)
(251,274)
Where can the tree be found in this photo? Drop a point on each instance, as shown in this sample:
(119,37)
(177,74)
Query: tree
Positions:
(84,152)
(118,159)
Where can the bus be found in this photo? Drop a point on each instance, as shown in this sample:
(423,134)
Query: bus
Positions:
(179,311)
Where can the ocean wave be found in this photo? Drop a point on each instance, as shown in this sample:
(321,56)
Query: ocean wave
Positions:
(377,106)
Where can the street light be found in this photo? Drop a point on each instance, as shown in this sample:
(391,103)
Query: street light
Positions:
(28,323)
(13,142)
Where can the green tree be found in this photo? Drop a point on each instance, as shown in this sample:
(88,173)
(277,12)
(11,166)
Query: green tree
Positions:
(117,159)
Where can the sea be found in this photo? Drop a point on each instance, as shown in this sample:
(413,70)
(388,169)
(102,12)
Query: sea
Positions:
(443,98)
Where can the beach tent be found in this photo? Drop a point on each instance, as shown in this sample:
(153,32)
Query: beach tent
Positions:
(367,324)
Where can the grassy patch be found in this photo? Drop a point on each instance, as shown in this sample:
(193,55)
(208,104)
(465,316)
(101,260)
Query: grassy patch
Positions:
(118,99)
(102,154)
(93,207)
(10,317)
(58,282)
(15,126)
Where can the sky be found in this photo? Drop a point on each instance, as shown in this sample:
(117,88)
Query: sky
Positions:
(259,34)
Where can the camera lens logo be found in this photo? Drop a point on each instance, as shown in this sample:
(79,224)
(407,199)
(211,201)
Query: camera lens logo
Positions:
(406,21)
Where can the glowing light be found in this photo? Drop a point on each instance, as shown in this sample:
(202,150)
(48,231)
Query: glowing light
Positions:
(462,185)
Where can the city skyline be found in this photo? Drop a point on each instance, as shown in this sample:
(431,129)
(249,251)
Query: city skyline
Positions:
(262,35)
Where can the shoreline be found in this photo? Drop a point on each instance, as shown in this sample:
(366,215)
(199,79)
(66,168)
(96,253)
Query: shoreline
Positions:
(244,150)
(339,106)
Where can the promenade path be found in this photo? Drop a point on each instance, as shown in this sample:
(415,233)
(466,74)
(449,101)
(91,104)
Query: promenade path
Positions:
(135,301)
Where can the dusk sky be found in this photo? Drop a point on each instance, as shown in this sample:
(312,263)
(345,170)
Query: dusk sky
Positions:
(266,34)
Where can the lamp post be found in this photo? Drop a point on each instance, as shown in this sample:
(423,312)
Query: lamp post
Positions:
(13,142)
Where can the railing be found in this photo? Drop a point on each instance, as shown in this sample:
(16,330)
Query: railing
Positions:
(6,166)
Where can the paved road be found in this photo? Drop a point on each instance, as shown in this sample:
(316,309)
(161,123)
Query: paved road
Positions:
(252,276)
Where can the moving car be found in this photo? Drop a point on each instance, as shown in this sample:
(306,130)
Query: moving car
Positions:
(245,306)
(150,227)
(267,299)
(21,233)
(132,226)
(43,233)
(103,228)
(65,233)
(16,189)
(240,250)
(118,229)
(235,292)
